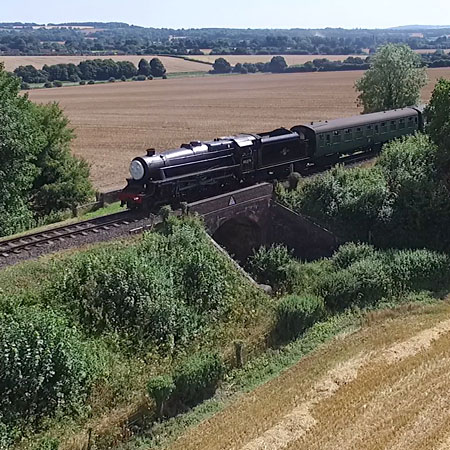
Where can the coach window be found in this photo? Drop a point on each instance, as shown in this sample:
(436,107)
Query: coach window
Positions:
(401,124)
(328,138)
(348,134)
(410,122)
(393,125)
(321,140)
(336,136)
(383,127)
(359,133)
(376,129)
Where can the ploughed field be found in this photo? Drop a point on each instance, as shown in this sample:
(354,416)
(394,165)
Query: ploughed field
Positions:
(385,386)
(115,122)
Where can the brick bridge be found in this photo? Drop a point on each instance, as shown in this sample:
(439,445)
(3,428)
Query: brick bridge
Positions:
(245,219)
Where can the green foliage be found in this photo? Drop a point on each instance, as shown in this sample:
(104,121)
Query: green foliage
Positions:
(47,443)
(157,67)
(45,366)
(363,283)
(38,174)
(164,289)
(111,80)
(221,65)
(91,82)
(144,68)
(295,314)
(160,388)
(418,270)
(277,64)
(57,83)
(268,265)
(437,114)
(394,79)
(140,78)
(400,202)
(82,82)
(198,378)
(350,253)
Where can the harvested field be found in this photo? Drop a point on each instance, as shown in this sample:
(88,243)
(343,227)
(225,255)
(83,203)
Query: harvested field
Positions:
(115,122)
(383,387)
(290,59)
(171,64)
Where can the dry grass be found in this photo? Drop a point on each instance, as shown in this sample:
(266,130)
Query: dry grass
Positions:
(116,122)
(171,64)
(352,394)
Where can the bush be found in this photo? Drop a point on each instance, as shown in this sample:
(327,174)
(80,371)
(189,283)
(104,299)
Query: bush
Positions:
(160,389)
(362,284)
(57,83)
(197,379)
(48,85)
(123,78)
(420,270)
(149,77)
(350,253)
(82,82)
(91,82)
(45,366)
(267,265)
(24,86)
(164,77)
(140,78)
(297,313)
(111,80)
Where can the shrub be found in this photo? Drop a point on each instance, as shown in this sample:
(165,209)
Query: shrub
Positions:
(91,82)
(164,77)
(350,253)
(141,78)
(149,77)
(82,82)
(160,389)
(420,270)
(111,80)
(267,264)
(57,83)
(48,84)
(24,86)
(123,78)
(364,283)
(198,378)
(297,313)
(45,366)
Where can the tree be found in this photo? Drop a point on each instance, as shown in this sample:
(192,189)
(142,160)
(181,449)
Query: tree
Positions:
(221,65)
(38,174)
(144,68)
(278,64)
(394,79)
(157,67)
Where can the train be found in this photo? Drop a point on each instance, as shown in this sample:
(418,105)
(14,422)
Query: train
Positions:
(205,168)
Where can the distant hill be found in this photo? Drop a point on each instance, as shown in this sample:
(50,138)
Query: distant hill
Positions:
(419,27)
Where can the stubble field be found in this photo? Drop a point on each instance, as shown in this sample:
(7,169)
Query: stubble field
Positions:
(383,387)
(115,122)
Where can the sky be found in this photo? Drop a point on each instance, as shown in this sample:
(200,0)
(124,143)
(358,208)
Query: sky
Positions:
(232,13)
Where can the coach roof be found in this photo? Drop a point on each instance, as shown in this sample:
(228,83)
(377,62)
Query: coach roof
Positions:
(361,120)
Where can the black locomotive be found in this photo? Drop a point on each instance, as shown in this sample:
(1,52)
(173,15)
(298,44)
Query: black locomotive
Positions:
(202,169)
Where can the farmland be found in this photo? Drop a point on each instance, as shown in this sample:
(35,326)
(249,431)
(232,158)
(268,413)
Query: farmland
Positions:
(115,122)
(385,386)
(171,64)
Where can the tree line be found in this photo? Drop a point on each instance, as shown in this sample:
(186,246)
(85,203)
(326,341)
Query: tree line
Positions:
(278,64)
(125,39)
(95,69)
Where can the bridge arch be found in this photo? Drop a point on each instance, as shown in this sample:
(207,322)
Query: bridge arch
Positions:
(239,236)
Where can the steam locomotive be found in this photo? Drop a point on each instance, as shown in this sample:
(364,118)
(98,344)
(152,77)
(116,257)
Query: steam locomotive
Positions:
(204,168)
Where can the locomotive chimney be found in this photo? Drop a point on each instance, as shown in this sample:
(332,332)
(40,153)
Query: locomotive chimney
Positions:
(151,152)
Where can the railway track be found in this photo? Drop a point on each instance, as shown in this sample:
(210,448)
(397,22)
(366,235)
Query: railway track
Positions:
(18,245)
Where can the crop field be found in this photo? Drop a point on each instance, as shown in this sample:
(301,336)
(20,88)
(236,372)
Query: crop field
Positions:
(385,386)
(116,121)
(171,64)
